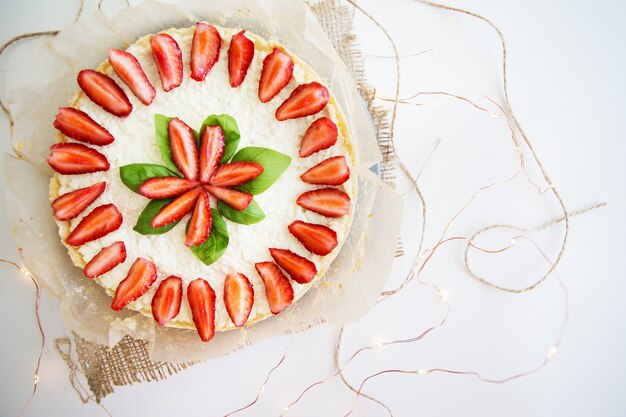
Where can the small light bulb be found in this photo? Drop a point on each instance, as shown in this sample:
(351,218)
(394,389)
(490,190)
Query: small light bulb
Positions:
(36,379)
(422,372)
(443,294)
(551,352)
(512,241)
(262,389)
(377,343)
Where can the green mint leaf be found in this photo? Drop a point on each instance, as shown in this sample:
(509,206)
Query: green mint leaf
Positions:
(144,226)
(231,133)
(162,140)
(253,214)
(161,134)
(134,175)
(217,242)
(274,164)
(196,135)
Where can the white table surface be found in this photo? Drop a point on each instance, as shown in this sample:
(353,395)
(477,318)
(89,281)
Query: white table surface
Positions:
(567,86)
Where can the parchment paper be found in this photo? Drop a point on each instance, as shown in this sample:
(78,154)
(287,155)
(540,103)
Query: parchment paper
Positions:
(352,284)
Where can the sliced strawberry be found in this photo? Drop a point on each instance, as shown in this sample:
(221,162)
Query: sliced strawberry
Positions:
(167,299)
(240,56)
(200,225)
(305,100)
(322,134)
(130,71)
(140,277)
(183,146)
(105,92)
(211,151)
(177,209)
(201,299)
(71,204)
(100,222)
(332,171)
(276,74)
(234,174)
(234,198)
(165,187)
(329,202)
(277,287)
(169,60)
(299,269)
(238,298)
(75,158)
(205,50)
(105,260)
(317,238)
(78,125)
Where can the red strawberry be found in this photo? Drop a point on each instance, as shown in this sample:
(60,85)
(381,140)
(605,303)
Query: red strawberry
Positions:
(169,60)
(140,277)
(305,100)
(130,71)
(240,57)
(299,269)
(234,174)
(75,158)
(332,171)
(78,125)
(166,300)
(236,199)
(277,287)
(177,209)
(105,260)
(100,222)
(183,146)
(165,187)
(105,92)
(319,239)
(276,74)
(205,50)
(200,225)
(329,202)
(322,134)
(211,151)
(238,298)
(202,302)
(71,204)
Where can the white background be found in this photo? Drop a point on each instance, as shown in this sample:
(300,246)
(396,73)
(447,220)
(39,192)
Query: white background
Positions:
(567,86)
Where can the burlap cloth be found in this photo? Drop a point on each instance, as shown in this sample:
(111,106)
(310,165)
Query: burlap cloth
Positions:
(128,362)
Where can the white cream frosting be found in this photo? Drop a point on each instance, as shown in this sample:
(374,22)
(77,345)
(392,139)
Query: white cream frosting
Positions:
(192,102)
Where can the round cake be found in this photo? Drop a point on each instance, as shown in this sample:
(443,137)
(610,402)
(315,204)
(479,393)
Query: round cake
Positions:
(204,177)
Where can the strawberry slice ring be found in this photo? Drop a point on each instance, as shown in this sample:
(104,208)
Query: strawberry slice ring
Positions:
(204,177)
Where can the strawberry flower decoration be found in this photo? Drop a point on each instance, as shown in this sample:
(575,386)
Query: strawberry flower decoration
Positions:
(202,176)
(198,167)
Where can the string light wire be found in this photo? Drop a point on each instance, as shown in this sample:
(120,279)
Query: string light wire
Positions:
(550,354)
(32,278)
